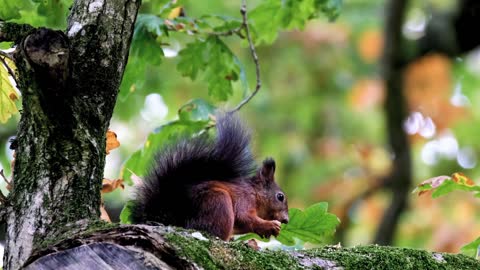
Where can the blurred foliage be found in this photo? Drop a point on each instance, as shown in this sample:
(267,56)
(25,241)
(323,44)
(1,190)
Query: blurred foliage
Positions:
(48,13)
(319,112)
(442,185)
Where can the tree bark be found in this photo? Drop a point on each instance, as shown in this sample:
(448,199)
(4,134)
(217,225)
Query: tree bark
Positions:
(159,247)
(69,84)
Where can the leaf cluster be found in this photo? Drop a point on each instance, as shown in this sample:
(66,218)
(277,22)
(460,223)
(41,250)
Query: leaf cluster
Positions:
(207,56)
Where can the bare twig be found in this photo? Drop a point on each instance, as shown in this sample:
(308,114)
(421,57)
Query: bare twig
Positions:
(6,54)
(243,11)
(231,32)
(10,71)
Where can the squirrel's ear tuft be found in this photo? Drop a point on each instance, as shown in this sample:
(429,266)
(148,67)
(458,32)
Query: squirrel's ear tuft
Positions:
(268,169)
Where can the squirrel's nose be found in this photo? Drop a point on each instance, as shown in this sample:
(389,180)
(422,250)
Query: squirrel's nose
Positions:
(284,220)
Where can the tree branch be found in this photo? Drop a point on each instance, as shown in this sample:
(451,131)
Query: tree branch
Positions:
(400,178)
(14,32)
(231,32)
(253,53)
(160,247)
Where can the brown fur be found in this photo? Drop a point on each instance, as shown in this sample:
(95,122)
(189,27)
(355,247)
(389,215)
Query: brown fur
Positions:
(225,208)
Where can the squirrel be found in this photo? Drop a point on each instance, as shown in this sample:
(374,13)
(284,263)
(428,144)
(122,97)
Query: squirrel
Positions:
(213,185)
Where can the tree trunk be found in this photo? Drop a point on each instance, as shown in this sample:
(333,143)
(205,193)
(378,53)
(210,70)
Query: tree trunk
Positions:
(400,178)
(159,247)
(69,84)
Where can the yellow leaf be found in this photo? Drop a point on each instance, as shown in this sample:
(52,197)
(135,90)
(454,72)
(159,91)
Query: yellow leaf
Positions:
(7,93)
(176,12)
(462,179)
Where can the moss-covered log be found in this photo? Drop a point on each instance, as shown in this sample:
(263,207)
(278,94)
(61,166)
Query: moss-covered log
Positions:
(69,83)
(159,247)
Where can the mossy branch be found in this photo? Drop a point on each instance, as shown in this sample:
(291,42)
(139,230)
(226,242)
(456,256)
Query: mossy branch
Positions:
(172,248)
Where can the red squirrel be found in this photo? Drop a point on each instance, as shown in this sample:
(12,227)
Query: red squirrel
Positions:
(213,185)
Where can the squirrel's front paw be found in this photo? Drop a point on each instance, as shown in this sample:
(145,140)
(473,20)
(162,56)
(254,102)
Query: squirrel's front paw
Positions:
(271,227)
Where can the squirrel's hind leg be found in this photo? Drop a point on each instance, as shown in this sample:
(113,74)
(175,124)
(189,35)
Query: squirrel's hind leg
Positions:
(214,213)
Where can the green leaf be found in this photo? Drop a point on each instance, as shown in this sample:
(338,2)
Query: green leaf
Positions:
(146,51)
(126,214)
(11,9)
(265,20)
(133,77)
(192,59)
(218,23)
(54,11)
(312,225)
(37,13)
(196,110)
(146,38)
(297,13)
(272,16)
(449,185)
(472,249)
(331,8)
(446,187)
(159,7)
(219,65)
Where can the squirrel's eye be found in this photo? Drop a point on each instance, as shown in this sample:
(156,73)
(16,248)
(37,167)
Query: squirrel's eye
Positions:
(280,196)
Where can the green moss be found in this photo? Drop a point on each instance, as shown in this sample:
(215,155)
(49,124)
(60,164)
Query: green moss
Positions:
(100,225)
(393,258)
(229,255)
(214,254)
(66,232)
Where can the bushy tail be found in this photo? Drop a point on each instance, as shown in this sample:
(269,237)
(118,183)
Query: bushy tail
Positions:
(164,195)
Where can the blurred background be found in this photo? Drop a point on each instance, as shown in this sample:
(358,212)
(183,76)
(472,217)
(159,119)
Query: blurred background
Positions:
(344,126)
